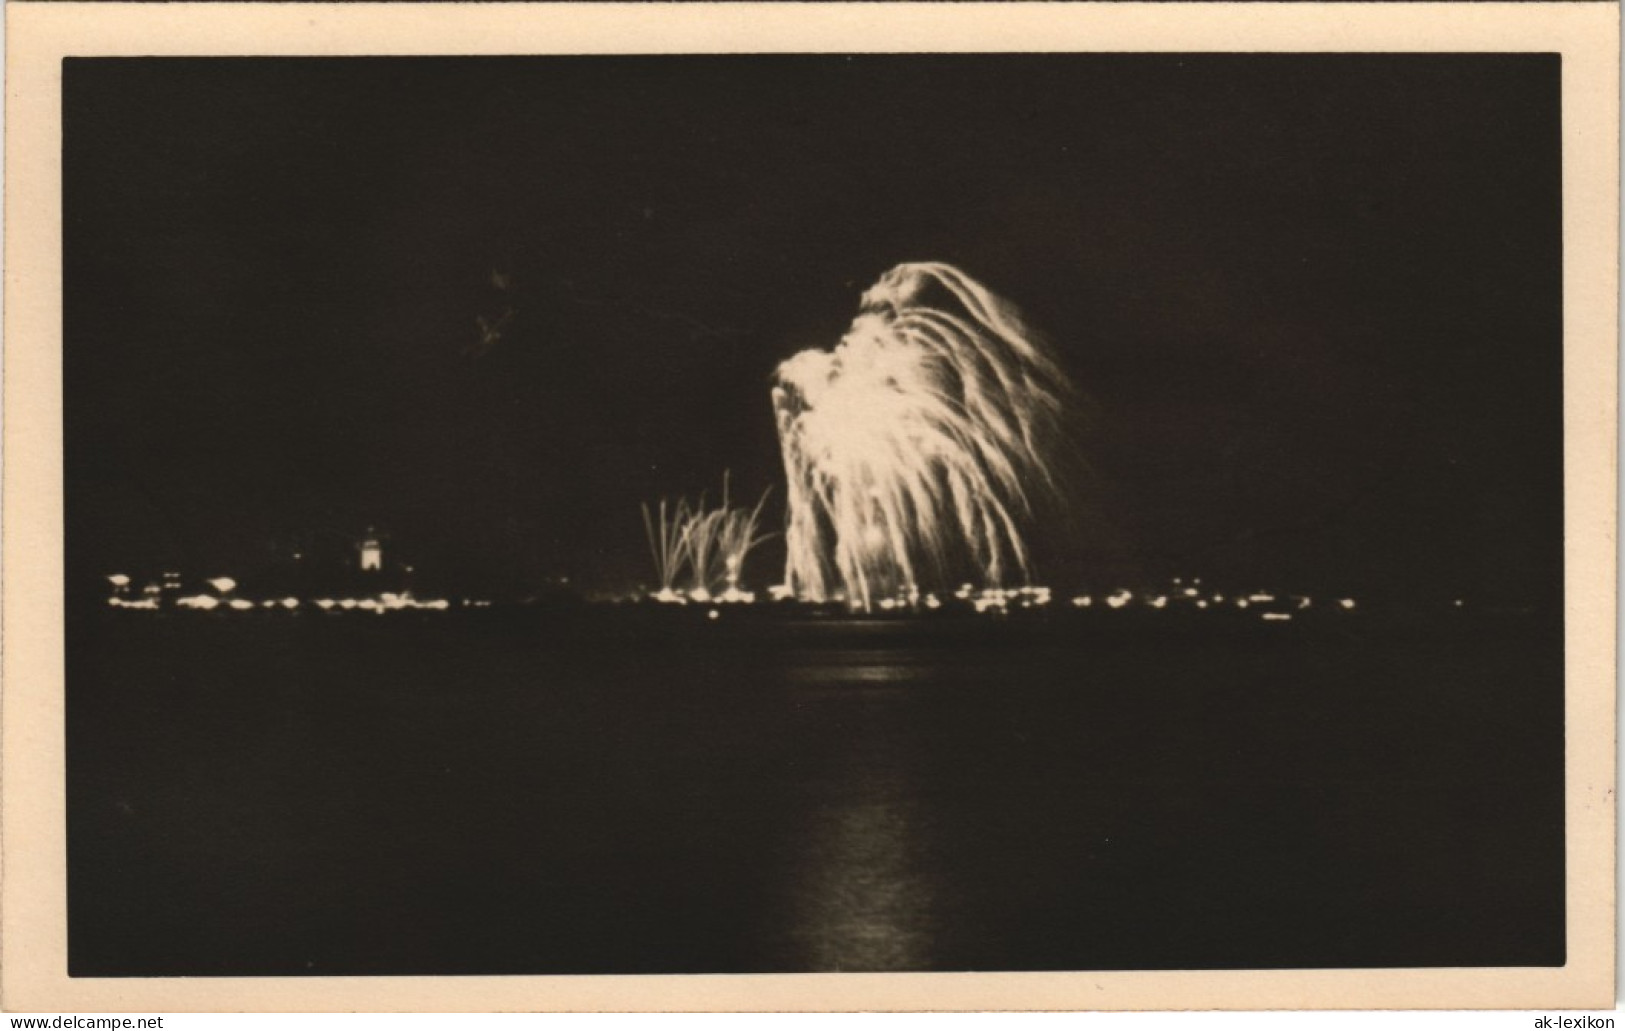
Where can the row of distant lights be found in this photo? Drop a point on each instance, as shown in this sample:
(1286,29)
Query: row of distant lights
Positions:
(1195,596)
(391,603)
(999,600)
(224,585)
(702,596)
(986,600)
(384,603)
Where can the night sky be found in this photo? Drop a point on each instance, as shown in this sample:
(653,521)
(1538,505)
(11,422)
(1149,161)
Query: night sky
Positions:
(1315,300)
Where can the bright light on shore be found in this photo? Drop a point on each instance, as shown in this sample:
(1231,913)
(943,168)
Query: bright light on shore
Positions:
(147,604)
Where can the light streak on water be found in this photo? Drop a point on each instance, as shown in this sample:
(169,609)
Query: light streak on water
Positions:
(865,895)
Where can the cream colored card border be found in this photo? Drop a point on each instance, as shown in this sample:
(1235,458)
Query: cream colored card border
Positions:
(40,34)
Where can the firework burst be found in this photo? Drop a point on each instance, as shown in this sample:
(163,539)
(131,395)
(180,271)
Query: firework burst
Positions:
(916,451)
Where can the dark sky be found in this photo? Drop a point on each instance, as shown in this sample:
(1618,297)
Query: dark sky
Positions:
(1316,300)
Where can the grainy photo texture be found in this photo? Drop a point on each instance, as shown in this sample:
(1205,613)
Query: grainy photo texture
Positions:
(759,513)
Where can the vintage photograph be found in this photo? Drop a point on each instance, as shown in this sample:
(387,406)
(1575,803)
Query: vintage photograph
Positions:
(812,513)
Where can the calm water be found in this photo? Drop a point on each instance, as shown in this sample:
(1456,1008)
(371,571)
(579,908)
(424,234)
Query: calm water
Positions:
(450,795)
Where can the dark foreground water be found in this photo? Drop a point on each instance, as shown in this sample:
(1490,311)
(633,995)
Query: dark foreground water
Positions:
(520,794)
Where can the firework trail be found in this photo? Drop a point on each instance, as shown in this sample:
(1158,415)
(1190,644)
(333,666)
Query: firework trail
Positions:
(700,532)
(667,544)
(710,544)
(737,533)
(916,452)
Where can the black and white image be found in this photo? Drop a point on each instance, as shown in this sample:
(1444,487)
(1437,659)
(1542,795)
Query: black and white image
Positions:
(785,513)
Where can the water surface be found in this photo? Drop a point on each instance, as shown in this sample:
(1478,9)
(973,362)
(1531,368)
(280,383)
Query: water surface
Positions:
(368,795)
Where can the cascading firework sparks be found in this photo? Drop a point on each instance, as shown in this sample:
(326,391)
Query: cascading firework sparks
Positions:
(916,451)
